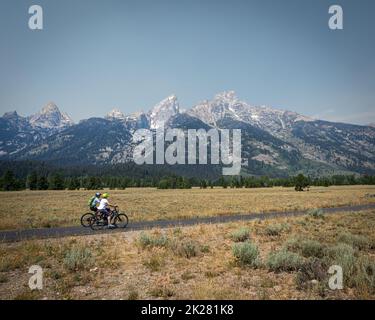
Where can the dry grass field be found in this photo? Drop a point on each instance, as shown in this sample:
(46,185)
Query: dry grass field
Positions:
(35,209)
(283,258)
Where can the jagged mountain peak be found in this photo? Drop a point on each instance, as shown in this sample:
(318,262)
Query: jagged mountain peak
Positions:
(227,96)
(50,117)
(163,111)
(115,114)
(11,115)
(50,107)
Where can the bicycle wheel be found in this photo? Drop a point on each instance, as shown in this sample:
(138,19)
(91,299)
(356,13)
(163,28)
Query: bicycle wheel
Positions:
(86,220)
(121,220)
(97,224)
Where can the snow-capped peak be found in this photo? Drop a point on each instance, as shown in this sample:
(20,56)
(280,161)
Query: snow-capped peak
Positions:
(50,117)
(115,114)
(228,97)
(163,111)
(49,108)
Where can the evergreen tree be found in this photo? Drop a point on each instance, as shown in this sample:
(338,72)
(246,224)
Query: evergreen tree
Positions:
(56,182)
(73,184)
(203,184)
(94,183)
(301,182)
(32,181)
(42,183)
(9,182)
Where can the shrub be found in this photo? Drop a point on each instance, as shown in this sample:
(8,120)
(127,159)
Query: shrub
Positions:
(133,294)
(187,249)
(155,262)
(162,292)
(359,272)
(356,241)
(342,255)
(307,248)
(364,278)
(312,269)
(147,240)
(276,229)
(241,235)
(284,260)
(78,258)
(316,213)
(205,248)
(3,278)
(246,253)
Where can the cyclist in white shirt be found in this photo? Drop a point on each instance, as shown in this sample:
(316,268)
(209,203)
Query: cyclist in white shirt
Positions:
(104,208)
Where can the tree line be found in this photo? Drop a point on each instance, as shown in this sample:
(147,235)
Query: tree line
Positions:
(57,181)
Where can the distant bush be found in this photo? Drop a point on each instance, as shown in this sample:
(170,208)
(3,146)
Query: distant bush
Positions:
(356,241)
(316,213)
(284,260)
(276,229)
(247,254)
(78,258)
(241,235)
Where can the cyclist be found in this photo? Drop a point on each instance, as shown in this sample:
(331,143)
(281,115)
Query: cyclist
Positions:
(104,208)
(94,202)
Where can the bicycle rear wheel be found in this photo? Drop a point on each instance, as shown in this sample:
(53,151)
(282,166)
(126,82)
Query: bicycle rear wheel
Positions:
(121,220)
(87,219)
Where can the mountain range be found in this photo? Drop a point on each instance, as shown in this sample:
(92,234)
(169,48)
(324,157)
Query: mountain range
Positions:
(274,142)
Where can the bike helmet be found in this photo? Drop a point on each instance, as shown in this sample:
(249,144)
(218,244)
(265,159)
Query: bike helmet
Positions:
(98,194)
(105,195)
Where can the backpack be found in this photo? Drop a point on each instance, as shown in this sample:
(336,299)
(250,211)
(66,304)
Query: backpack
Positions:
(90,202)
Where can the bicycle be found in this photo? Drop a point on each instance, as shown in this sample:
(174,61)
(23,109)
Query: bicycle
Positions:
(119,220)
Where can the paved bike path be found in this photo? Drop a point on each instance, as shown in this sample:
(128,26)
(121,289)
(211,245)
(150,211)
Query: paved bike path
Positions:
(18,235)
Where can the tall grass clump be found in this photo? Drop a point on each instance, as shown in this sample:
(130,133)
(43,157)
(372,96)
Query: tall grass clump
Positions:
(78,258)
(276,229)
(186,248)
(364,277)
(147,240)
(342,255)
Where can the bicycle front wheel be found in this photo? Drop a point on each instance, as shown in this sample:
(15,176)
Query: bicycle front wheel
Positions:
(121,220)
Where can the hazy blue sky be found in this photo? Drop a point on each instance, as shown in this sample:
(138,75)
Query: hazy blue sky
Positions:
(94,55)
